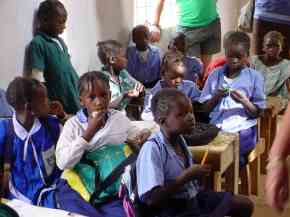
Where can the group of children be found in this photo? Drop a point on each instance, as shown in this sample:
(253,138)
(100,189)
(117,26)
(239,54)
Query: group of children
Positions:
(95,137)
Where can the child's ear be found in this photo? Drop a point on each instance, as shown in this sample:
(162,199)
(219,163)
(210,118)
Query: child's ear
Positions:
(81,101)
(160,120)
(28,107)
(112,60)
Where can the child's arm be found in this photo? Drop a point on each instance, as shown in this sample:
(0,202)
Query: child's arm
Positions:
(209,105)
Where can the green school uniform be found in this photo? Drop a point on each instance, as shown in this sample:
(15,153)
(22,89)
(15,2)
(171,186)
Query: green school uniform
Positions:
(60,77)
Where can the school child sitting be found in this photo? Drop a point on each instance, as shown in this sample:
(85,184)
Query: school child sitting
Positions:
(275,70)
(5,108)
(96,134)
(172,72)
(143,59)
(27,147)
(234,95)
(194,67)
(122,85)
(49,59)
(166,173)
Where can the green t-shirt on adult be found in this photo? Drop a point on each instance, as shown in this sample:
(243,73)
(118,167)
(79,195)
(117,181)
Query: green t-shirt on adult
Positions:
(50,55)
(196,13)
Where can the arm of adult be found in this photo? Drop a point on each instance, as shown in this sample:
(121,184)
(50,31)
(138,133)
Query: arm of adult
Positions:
(277,179)
(155,31)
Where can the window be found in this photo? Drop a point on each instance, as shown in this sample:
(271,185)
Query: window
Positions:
(145,9)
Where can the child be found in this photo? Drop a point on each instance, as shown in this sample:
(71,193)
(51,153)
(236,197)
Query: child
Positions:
(94,129)
(49,58)
(5,108)
(27,144)
(194,67)
(234,95)
(165,170)
(172,72)
(275,70)
(123,86)
(143,59)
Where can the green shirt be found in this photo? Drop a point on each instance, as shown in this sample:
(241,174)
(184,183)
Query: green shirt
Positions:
(196,13)
(60,77)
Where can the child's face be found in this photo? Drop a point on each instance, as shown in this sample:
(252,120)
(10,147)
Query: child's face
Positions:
(236,57)
(141,39)
(40,103)
(179,44)
(174,75)
(181,119)
(272,47)
(119,62)
(97,98)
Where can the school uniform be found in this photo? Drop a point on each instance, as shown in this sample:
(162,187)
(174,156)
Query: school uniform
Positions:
(187,87)
(231,116)
(158,165)
(34,178)
(144,66)
(194,68)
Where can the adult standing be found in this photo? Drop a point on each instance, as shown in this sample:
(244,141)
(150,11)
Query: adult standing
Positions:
(271,15)
(277,180)
(199,21)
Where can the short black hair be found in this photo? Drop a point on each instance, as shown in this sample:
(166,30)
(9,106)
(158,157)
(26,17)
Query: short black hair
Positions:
(87,80)
(170,58)
(275,35)
(237,38)
(176,36)
(49,8)
(141,28)
(163,101)
(21,91)
(108,49)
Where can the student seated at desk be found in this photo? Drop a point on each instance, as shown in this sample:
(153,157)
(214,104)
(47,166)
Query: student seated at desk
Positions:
(144,60)
(27,145)
(5,108)
(166,173)
(234,95)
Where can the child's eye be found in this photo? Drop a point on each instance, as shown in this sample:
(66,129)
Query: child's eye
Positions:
(92,97)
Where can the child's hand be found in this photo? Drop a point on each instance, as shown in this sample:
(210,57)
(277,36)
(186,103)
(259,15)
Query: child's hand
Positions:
(139,88)
(220,93)
(95,122)
(56,108)
(238,96)
(195,171)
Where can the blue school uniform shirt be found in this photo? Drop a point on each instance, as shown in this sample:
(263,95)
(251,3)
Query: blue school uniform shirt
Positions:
(158,165)
(229,115)
(194,68)
(5,108)
(33,169)
(187,87)
(276,11)
(145,71)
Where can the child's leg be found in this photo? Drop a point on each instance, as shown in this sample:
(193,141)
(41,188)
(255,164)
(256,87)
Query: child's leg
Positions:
(248,140)
(241,206)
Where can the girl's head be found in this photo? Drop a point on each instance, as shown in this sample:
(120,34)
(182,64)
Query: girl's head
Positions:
(52,17)
(177,42)
(273,44)
(111,53)
(172,110)
(28,96)
(237,49)
(173,68)
(94,91)
(140,36)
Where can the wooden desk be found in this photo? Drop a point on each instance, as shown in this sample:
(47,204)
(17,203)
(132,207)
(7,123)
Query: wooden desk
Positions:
(223,157)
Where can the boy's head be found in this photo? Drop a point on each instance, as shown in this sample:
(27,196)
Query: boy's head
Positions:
(273,44)
(177,42)
(111,53)
(94,91)
(173,68)
(237,49)
(140,36)
(52,17)
(172,110)
(28,96)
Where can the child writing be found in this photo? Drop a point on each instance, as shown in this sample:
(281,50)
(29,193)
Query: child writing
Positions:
(172,72)
(194,67)
(49,58)
(275,70)
(92,131)
(234,95)
(143,59)
(27,144)
(122,85)
(165,170)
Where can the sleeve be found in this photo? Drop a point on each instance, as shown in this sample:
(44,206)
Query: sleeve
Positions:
(70,146)
(2,140)
(149,168)
(36,56)
(194,93)
(259,98)
(130,65)
(147,113)
(209,88)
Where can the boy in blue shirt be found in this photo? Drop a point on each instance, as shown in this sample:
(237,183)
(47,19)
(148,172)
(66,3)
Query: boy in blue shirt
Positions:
(143,59)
